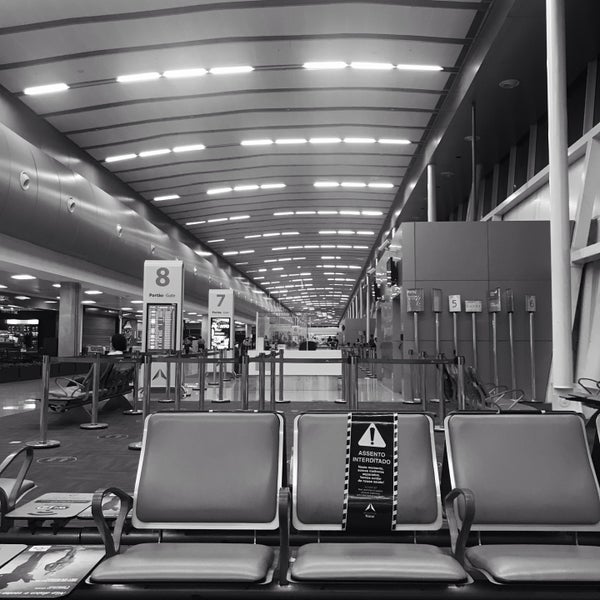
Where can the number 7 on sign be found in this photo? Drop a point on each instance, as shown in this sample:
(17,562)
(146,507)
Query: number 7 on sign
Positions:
(221,298)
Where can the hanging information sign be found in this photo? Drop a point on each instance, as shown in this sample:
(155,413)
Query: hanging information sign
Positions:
(370,495)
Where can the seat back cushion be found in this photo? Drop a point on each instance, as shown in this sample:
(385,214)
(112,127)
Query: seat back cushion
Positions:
(319,469)
(201,470)
(525,470)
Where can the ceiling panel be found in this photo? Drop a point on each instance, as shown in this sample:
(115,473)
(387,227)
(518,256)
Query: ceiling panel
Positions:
(88,46)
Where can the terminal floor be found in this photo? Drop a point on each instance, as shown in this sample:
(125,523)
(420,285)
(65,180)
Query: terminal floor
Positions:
(88,460)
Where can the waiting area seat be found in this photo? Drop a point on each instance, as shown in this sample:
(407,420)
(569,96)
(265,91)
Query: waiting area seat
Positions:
(199,471)
(115,380)
(523,473)
(12,489)
(318,484)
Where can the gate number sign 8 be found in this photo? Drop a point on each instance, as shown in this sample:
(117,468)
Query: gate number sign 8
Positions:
(162,277)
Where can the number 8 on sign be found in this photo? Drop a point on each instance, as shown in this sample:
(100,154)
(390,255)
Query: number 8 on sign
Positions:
(162,277)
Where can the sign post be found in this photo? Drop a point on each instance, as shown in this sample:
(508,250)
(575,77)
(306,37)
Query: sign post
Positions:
(474,307)
(163,313)
(415,303)
(454,306)
(495,306)
(530,307)
(510,308)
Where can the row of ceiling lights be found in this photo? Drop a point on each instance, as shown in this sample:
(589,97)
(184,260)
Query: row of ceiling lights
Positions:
(320,246)
(193,72)
(258,142)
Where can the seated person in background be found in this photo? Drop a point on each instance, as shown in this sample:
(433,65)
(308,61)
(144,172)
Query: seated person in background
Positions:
(118,345)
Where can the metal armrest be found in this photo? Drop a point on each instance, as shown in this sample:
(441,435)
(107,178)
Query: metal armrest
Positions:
(14,492)
(78,387)
(284,500)
(111,541)
(593,391)
(459,537)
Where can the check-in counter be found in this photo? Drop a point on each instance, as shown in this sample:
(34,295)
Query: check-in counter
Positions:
(334,369)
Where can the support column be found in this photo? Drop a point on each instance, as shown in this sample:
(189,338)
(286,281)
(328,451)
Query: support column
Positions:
(562,351)
(70,319)
(431,194)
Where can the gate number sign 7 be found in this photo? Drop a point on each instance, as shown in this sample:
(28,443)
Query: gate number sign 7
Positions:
(221,297)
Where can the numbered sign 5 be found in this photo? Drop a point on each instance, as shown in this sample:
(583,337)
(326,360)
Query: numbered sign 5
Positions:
(454,304)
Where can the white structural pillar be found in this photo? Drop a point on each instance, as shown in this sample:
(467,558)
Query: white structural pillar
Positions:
(368,309)
(431,199)
(562,351)
(70,319)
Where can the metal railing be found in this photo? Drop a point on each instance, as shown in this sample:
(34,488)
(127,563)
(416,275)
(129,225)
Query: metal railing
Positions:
(351,366)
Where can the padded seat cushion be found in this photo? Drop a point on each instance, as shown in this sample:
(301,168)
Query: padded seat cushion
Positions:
(7,483)
(172,562)
(509,563)
(377,562)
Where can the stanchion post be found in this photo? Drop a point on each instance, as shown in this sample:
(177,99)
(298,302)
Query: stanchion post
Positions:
(220,397)
(273,380)
(281,399)
(145,396)
(460,362)
(244,382)
(201,381)
(178,382)
(167,399)
(44,442)
(93,424)
(261,382)
(134,410)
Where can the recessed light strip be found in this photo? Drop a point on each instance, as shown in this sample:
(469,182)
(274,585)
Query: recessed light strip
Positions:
(248,187)
(327,212)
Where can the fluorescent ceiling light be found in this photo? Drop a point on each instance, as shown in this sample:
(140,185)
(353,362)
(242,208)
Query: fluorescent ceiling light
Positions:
(55,285)
(190,223)
(217,220)
(372,66)
(222,190)
(284,141)
(202,253)
(22,277)
(184,73)
(329,64)
(126,308)
(156,152)
(245,188)
(231,70)
(110,159)
(50,88)
(239,217)
(92,292)
(2,286)
(168,197)
(345,232)
(327,212)
(349,212)
(381,185)
(327,232)
(326,184)
(246,251)
(215,241)
(271,234)
(88,302)
(272,186)
(419,68)
(283,214)
(365,232)
(353,184)
(253,236)
(325,140)
(306,212)
(401,142)
(372,213)
(359,140)
(138,77)
(263,142)
(189,148)
(22,298)
(293,232)
(137,302)
(230,253)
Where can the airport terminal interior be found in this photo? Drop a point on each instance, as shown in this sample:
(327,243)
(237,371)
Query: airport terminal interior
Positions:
(300,299)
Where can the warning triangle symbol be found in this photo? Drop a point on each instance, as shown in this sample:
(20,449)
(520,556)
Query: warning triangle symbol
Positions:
(158,374)
(370,508)
(372,438)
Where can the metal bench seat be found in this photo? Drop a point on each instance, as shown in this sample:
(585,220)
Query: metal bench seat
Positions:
(523,473)
(318,496)
(211,471)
